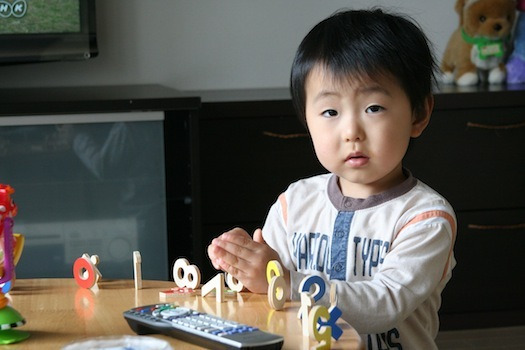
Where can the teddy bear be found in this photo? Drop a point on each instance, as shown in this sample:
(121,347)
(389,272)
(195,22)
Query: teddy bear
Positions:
(476,49)
(516,62)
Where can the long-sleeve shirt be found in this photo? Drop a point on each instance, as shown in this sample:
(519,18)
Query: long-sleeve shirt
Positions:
(389,255)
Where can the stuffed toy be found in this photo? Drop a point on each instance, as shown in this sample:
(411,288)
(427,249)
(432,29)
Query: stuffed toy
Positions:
(476,50)
(516,63)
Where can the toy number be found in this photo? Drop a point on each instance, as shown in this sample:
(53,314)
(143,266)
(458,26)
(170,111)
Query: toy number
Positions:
(335,314)
(273,268)
(215,284)
(137,269)
(276,292)
(186,275)
(322,334)
(306,304)
(84,273)
(233,283)
(276,285)
(318,282)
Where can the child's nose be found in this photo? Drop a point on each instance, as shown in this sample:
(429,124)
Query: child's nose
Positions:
(353,131)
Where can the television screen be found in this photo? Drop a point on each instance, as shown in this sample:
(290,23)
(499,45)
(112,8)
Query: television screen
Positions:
(47,30)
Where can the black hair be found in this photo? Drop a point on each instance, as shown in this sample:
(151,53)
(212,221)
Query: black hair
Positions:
(366,43)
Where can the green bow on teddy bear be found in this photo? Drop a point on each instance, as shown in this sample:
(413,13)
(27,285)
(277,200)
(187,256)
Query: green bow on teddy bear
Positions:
(486,47)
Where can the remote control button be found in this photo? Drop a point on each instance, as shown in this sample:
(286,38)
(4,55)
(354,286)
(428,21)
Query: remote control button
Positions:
(175,312)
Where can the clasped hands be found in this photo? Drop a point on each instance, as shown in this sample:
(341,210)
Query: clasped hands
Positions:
(244,257)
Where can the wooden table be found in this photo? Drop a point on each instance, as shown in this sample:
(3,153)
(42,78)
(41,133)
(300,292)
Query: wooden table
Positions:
(58,312)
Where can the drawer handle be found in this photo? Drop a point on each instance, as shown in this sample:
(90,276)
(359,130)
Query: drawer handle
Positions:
(284,136)
(495,127)
(496,227)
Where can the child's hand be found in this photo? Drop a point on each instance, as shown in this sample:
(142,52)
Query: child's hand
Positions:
(243,257)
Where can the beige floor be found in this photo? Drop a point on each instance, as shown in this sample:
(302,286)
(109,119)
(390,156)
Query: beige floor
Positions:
(512,338)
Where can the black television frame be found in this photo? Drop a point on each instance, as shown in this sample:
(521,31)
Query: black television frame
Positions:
(48,47)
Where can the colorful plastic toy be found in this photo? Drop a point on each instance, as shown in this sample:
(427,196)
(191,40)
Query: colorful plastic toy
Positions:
(11,246)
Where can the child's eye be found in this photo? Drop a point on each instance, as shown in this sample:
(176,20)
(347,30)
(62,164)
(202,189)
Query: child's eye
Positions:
(330,113)
(374,109)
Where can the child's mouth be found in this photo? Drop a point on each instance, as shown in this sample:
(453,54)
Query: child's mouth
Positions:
(357,159)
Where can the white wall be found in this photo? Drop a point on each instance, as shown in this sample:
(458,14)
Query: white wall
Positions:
(209,44)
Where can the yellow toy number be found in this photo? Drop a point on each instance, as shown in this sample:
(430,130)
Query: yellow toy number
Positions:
(276,285)
(273,268)
(323,334)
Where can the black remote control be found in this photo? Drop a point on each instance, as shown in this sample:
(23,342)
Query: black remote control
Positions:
(199,328)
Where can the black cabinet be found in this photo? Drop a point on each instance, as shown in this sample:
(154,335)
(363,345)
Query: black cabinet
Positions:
(473,154)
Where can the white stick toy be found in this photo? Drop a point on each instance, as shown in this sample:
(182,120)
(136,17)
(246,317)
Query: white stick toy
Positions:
(137,269)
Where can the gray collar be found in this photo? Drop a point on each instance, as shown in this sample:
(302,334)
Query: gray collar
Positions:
(343,203)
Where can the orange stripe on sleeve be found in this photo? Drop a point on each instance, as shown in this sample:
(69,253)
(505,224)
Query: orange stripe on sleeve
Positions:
(284,207)
(433,214)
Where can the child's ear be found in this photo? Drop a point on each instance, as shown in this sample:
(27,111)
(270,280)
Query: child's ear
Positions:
(422,116)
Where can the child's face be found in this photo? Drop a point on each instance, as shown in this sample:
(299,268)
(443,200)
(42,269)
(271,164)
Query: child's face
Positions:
(360,130)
